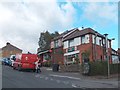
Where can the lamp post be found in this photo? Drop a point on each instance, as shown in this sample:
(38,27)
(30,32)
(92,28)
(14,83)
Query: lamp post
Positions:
(106,45)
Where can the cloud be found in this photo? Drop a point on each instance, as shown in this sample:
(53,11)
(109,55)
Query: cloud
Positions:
(97,12)
(22,22)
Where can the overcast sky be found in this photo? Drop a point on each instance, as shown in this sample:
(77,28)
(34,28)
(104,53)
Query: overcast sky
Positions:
(21,22)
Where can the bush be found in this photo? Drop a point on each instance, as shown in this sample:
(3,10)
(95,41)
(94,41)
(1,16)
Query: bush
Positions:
(101,68)
(114,68)
(98,68)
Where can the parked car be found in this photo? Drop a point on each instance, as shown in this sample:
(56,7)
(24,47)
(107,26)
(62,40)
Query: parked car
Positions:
(6,61)
(12,59)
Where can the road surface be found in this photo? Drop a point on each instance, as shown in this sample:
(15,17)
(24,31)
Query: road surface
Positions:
(48,79)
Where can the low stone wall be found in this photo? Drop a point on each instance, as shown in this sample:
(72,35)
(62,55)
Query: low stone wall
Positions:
(70,68)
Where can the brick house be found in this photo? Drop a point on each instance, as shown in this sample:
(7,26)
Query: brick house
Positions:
(73,43)
(9,50)
(86,41)
(57,54)
(115,56)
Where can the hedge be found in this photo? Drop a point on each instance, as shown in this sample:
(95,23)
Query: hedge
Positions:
(101,68)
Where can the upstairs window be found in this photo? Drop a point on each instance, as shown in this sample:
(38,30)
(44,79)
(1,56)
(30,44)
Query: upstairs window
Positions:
(71,43)
(83,39)
(56,43)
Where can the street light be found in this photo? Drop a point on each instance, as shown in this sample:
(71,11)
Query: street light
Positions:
(106,45)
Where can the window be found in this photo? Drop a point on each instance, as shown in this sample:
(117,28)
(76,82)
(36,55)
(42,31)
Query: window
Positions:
(77,41)
(52,44)
(56,43)
(71,43)
(83,39)
(87,38)
(100,43)
(65,44)
(93,39)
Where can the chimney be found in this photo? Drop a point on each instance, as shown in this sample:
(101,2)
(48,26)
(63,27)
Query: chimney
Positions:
(7,43)
(82,27)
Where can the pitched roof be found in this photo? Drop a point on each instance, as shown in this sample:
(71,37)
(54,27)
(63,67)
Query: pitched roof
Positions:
(10,47)
(64,34)
(82,32)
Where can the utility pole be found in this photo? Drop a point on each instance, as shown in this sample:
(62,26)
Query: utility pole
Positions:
(106,39)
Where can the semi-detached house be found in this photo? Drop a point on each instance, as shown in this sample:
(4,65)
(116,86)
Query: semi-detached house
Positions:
(86,41)
(68,46)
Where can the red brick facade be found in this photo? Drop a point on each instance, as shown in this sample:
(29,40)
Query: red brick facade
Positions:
(57,55)
(96,51)
(9,50)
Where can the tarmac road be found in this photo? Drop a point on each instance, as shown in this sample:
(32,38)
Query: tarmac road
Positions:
(48,79)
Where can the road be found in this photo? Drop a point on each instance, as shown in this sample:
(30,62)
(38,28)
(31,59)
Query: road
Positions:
(48,79)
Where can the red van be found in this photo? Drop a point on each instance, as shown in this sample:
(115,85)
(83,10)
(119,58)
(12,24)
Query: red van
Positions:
(25,61)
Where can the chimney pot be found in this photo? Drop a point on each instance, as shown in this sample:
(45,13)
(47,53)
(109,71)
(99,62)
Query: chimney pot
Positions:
(7,43)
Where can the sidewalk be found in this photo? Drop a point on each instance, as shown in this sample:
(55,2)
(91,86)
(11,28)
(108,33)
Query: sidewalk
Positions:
(82,81)
(79,75)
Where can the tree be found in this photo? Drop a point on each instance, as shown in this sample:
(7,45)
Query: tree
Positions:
(45,40)
(42,42)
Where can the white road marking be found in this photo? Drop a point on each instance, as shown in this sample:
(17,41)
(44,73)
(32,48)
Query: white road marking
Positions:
(74,86)
(65,77)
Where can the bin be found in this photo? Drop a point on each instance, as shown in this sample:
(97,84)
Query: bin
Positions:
(55,67)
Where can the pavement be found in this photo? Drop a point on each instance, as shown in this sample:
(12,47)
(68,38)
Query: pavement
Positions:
(49,79)
(79,75)
(113,79)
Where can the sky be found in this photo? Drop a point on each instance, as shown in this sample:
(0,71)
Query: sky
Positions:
(21,22)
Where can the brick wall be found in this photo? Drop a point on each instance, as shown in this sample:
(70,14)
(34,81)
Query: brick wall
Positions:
(7,53)
(57,55)
(9,50)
